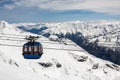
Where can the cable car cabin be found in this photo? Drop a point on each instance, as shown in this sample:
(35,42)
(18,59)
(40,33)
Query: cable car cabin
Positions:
(32,50)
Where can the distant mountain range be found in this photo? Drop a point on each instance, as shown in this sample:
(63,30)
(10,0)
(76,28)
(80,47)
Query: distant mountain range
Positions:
(100,38)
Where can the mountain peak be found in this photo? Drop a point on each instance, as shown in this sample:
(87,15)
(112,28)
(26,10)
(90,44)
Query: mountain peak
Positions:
(4,24)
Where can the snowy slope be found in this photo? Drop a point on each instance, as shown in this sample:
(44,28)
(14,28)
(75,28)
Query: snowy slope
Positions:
(54,64)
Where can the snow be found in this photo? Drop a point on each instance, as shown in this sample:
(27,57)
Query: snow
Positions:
(54,64)
(104,31)
(53,37)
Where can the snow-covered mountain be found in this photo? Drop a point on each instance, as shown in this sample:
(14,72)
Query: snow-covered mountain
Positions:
(54,64)
(98,38)
(104,31)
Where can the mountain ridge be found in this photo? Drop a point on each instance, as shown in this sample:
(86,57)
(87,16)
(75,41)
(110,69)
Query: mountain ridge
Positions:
(98,36)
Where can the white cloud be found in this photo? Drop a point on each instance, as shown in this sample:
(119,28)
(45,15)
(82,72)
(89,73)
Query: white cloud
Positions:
(104,6)
(10,7)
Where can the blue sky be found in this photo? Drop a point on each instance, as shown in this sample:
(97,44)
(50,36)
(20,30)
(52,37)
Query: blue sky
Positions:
(58,10)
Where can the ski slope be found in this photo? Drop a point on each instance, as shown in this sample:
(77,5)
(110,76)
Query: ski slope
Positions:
(54,64)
